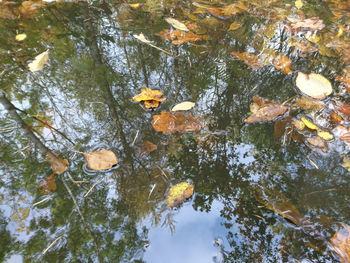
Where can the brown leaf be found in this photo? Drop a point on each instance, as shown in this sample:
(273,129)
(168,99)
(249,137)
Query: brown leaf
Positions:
(100,160)
(6,11)
(313,23)
(266,111)
(282,63)
(342,107)
(318,142)
(169,123)
(234,9)
(145,148)
(340,243)
(251,60)
(30,8)
(48,184)
(343,134)
(179,193)
(306,103)
(336,118)
(58,165)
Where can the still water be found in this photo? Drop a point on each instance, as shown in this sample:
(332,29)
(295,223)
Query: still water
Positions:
(263,191)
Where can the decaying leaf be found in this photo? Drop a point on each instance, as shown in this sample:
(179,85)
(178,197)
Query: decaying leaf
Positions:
(340,243)
(21,37)
(313,23)
(58,165)
(39,61)
(251,60)
(314,85)
(100,160)
(264,111)
(346,163)
(48,184)
(307,103)
(186,105)
(145,148)
(179,193)
(169,123)
(151,98)
(309,124)
(318,142)
(176,24)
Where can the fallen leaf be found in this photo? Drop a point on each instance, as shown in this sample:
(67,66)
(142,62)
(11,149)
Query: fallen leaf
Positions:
(234,26)
(318,142)
(39,61)
(142,38)
(179,37)
(21,37)
(58,165)
(249,59)
(234,9)
(313,23)
(325,135)
(282,63)
(145,148)
(298,4)
(169,123)
(264,111)
(314,85)
(307,103)
(29,8)
(135,6)
(343,134)
(299,125)
(179,193)
(340,243)
(309,124)
(48,184)
(100,160)
(346,163)
(150,97)
(186,105)
(176,24)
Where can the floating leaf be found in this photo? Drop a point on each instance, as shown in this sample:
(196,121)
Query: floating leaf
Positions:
(234,26)
(309,124)
(307,103)
(100,160)
(145,148)
(314,85)
(179,193)
(48,184)
(264,111)
(176,24)
(39,61)
(298,4)
(169,123)
(58,165)
(186,105)
(21,37)
(346,163)
(325,135)
(318,142)
(251,60)
(151,98)
(340,243)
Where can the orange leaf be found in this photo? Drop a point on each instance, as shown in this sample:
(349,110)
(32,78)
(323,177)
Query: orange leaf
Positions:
(251,60)
(282,63)
(340,243)
(48,184)
(100,160)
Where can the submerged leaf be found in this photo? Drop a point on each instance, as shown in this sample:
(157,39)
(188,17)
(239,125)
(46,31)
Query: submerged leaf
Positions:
(58,165)
(179,193)
(145,148)
(186,105)
(48,184)
(176,24)
(340,243)
(313,23)
(100,160)
(314,85)
(318,142)
(39,61)
(306,103)
(234,26)
(251,60)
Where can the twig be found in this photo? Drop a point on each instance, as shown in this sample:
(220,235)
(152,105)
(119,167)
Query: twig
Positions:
(137,134)
(79,182)
(92,187)
(9,128)
(76,151)
(41,201)
(288,100)
(51,244)
(168,181)
(150,193)
(312,162)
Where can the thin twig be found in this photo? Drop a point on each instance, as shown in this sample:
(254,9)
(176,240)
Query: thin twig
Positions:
(312,162)
(168,181)
(137,134)
(41,201)
(92,187)
(51,244)
(150,193)
(76,151)
(288,100)
(79,182)
(9,128)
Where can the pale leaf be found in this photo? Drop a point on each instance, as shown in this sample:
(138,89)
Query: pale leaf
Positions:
(314,85)
(142,38)
(39,61)
(176,24)
(21,37)
(186,105)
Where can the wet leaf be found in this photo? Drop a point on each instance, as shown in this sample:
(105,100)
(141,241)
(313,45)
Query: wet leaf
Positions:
(318,142)
(346,163)
(234,9)
(142,38)
(299,125)
(314,85)
(265,111)
(313,23)
(150,97)
(307,103)
(179,37)
(340,243)
(100,160)
(309,124)
(58,165)
(145,148)
(234,26)
(325,135)
(249,59)
(169,123)
(282,63)
(47,185)
(179,193)
(343,134)
(21,37)
(29,8)
(186,105)
(176,24)
(39,61)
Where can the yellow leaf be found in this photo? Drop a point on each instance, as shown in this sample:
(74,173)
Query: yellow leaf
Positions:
(151,98)
(314,85)
(298,4)
(186,105)
(39,61)
(346,163)
(325,135)
(100,160)
(135,6)
(312,37)
(21,37)
(179,193)
(340,30)
(308,124)
(234,26)
(176,24)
